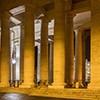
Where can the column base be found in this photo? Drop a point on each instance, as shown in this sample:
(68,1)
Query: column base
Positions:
(57,86)
(44,82)
(79,85)
(4,85)
(24,85)
(70,84)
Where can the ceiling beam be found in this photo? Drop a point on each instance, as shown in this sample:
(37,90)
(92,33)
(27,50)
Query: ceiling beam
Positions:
(81,7)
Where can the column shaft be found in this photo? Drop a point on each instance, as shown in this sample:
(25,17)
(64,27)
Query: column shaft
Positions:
(59,45)
(5,50)
(69,70)
(44,50)
(29,47)
(78,57)
(50,62)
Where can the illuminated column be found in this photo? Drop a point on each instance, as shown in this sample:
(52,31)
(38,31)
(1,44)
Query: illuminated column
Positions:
(69,69)
(59,45)
(44,50)
(29,47)
(5,50)
(95,45)
(22,53)
(78,57)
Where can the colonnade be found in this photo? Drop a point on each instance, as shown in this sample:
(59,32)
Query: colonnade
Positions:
(63,55)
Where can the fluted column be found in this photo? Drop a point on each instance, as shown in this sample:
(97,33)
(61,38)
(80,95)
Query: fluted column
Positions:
(78,57)
(69,69)
(44,50)
(22,53)
(5,50)
(59,45)
(29,47)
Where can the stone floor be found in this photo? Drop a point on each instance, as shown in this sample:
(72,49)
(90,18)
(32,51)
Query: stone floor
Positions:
(36,93)
(15,96)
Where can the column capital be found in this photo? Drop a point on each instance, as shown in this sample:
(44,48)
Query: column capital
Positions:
(44,15)
(69,13)
(44,19)
(29,7)
(79,29)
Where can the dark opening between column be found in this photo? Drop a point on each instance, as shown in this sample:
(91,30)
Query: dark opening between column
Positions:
(36,64)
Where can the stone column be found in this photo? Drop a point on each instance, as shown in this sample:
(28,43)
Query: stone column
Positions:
(22,54)
(28,47)
(69,69)
(5,50)
(50,62)
(59,45)
(44,50)
(83,58)
(78,57)
(95,45)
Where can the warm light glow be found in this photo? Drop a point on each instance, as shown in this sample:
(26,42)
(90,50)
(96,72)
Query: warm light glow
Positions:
(13,61)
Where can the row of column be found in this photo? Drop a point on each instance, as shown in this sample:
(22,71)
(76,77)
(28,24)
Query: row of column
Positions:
(63,49)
